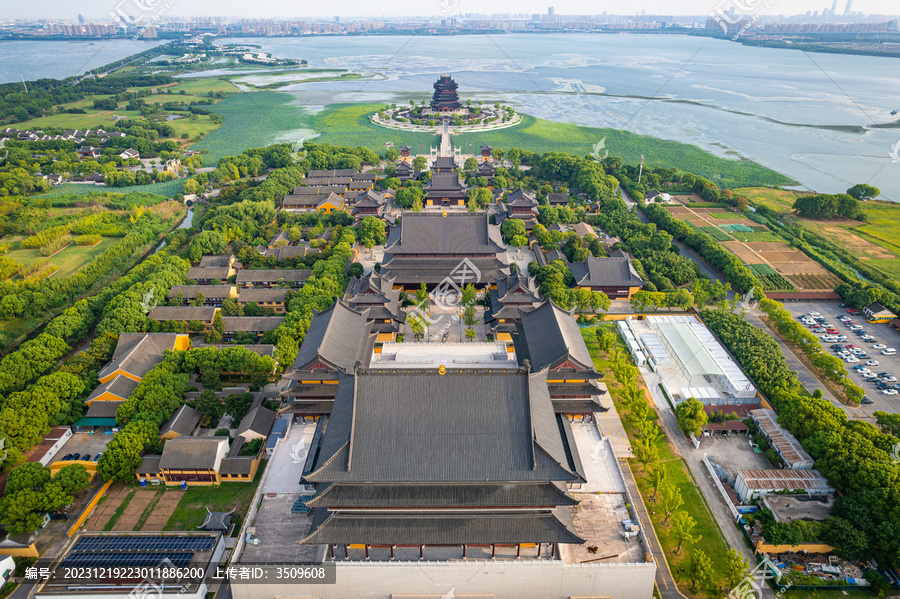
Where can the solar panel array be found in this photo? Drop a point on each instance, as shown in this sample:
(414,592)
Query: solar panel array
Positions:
(139,560)
(132,544)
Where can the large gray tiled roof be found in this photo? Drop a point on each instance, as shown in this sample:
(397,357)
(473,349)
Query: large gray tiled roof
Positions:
(208,291)
(258,420)
(420,426)
(550,526)
(348,495)
(272,276)
(120,386)
(137,353)
(183,421)
(460,234)
(606,272)
(202,313)
(251,324)
(192,453)
(549,334)
(337,335)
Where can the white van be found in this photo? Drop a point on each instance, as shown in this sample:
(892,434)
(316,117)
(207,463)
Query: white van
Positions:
(889,351)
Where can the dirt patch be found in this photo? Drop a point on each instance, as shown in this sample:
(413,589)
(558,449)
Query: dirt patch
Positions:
(132,514)
(162,511)
(785,256)
(745,255)
(111,501)
(768,246)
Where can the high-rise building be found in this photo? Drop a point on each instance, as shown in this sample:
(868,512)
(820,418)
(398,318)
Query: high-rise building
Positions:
(849,8)
(550,11)
(834,7)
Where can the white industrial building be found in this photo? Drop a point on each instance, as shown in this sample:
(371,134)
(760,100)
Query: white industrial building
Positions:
(690,360)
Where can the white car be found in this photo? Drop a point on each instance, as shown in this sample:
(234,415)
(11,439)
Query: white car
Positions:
(827,338)
(888,379)
(889,392)
(870,376)
(841,338)
(872,363)
(879,346)
(851,359)
(813,313)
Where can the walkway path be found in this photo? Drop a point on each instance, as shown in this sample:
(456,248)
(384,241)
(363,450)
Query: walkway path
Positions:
(446,146)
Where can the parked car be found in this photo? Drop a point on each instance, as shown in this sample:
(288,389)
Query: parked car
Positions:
(837,346)
(889,352)
(86,457)
(97,457)
(872,363)
(832,331)
(890,392)
(870,375)
(866,400)
(851,359)
(879,346)
(888,379)
(67,457)
(813,313)
(76,456)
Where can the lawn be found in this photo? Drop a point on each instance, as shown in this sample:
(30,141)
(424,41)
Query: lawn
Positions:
(202,85)
(191,510)
(91,120)
(347,125)
(779,200)
(883,226)
(68,260)
(711,540)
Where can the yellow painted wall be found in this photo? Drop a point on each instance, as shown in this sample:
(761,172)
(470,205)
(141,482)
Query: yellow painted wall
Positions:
(810,547)
(90,507)
(113,375)
(30,551)
(183,342)
(90,466)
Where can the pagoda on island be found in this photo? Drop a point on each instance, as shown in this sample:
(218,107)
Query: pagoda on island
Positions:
(445,98)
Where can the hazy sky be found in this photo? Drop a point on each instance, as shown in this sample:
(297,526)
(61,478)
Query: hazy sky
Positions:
(64,9)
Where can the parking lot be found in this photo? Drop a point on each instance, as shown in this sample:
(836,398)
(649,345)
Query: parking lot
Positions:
(882,333)
(83,445)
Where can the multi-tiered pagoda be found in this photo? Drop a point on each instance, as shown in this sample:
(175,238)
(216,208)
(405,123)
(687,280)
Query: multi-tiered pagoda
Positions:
(445,97)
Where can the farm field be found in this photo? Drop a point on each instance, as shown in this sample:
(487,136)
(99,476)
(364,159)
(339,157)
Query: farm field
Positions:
(68,260)
(774,262)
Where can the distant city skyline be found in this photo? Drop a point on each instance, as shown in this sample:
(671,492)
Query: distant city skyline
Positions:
(275,9)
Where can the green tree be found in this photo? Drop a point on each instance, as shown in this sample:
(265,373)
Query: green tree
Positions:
(700,569)
(371,232)
(691,417)
(657,475)
(669,500)
(210,408)
(422,296)
(863,192)
(417,324)
(735,567)
(419,163)
(237,405)
(683,529)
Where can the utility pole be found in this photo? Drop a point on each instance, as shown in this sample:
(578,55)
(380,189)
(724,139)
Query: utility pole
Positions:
(641,172)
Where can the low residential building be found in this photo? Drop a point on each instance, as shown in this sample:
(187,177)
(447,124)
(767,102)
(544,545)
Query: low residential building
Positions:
(205,275)
(137,353)
(118,388)
(181,424)
(289,251)
(193,459)
(185,314)
(616,277)
(257,423)
(311,202)
(257,325)
(264,298)
(217,261)
(270,278)
(558,199)
(129,154)
(213,295)
(724,420)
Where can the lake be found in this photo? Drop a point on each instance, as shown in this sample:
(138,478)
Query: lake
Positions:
(808,116)
(822,119)
(53,59)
